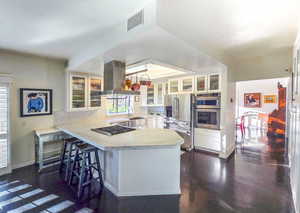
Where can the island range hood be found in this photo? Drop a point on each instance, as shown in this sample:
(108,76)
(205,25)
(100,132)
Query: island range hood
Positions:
(114,78)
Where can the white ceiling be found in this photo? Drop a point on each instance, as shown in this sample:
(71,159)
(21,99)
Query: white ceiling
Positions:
(232,27)
(62,28)
(59,28)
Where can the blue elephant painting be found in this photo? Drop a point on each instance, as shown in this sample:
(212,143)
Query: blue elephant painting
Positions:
(36,102)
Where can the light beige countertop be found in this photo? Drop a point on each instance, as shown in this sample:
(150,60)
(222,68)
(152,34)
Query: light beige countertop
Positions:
(150,135)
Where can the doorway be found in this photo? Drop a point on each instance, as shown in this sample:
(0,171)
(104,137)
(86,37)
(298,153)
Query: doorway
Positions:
(5,165)
(261,115)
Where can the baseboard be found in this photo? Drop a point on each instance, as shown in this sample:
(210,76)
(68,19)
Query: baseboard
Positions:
(20,165)
(227,154)
(130,194)
(294,199)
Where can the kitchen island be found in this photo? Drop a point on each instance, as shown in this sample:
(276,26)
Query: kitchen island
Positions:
(145,161)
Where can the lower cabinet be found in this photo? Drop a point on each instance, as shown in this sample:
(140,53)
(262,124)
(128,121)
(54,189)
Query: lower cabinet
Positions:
(208,140)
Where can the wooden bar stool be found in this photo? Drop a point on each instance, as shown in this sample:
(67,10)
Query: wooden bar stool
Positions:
(83,168)
(67,155)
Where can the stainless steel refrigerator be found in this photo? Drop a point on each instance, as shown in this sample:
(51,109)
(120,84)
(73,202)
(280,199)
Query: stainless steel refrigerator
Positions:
(182,116)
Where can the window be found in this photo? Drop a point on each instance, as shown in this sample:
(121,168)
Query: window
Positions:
(119,105)
(3,126)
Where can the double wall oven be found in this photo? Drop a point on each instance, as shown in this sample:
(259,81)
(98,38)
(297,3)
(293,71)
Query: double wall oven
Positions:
(207,111)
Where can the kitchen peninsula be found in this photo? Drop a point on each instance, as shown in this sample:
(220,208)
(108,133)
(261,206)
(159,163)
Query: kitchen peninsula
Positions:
(145,161)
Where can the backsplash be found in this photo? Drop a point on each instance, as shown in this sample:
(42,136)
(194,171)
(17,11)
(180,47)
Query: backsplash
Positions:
(156,110)
(63,117)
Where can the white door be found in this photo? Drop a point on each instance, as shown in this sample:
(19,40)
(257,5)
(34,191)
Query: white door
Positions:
(4,129)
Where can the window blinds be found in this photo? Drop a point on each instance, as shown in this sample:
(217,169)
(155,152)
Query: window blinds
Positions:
(3,126)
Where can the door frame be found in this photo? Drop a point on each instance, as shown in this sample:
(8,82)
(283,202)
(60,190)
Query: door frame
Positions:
(7,81)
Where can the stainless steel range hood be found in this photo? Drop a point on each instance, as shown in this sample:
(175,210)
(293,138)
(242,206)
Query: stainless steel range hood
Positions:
(114,77)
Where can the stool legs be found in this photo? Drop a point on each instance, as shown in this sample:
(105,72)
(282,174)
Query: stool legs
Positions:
(62,156)
(82,168)
(73,166)
(81,175)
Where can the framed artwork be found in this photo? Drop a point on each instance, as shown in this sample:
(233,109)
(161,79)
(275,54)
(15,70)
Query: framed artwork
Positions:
(35,102)
(252,100)
(270,99)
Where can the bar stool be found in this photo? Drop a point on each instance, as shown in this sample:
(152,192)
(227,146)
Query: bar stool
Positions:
(82,167)
(67,155)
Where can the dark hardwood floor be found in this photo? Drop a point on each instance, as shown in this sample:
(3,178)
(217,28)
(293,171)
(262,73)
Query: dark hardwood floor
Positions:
(255,180)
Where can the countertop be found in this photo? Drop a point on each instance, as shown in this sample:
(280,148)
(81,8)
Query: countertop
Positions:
(150,134)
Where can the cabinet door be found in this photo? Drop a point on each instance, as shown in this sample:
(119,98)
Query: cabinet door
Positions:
(214,82)
(159,100)
(78,92)
(201,83)
(150,95)
(166,88)
(95,92)
(187,84)
(173,86)
(143,95)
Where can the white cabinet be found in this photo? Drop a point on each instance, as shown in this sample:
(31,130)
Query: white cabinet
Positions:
(83,91)
(187,84)
(207,139)
(208,83)
(201,83)
(159,87)
(150,95)
(153,95)
(95,89)
(214,82)
(174,86)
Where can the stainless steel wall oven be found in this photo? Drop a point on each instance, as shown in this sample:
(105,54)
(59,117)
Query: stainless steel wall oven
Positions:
(207,111)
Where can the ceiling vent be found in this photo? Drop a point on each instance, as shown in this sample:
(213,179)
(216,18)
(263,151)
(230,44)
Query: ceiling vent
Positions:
(135,20)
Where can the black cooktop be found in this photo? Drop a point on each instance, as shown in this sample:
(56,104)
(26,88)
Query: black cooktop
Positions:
(113,130)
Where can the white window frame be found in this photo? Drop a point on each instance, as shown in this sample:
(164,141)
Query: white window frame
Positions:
(7,81)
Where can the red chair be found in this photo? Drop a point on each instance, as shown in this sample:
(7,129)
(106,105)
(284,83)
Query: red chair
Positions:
(241,125)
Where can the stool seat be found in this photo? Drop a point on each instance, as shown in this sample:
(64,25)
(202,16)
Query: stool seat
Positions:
(71,140)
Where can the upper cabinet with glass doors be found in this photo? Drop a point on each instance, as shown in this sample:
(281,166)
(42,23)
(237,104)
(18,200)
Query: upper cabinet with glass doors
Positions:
(84,92)
(201,83)
(187,84)
(214,82)
(174,86)
(78,92)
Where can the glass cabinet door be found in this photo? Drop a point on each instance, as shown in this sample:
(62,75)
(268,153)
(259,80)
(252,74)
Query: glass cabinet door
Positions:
(95,92)
(201,83)
(187,85)
(214,82)
(174,86)
(159,93)
(150,95)
(166,88)
(78,92)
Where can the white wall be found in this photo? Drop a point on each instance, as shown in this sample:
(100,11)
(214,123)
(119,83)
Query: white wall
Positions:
(268,66)
(293,139)
(265,87)
(30,71)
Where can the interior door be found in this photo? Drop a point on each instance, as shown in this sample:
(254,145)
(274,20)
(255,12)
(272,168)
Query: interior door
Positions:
(4,130)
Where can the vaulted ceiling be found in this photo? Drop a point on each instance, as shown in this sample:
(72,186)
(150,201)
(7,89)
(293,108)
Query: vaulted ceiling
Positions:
(231,28)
